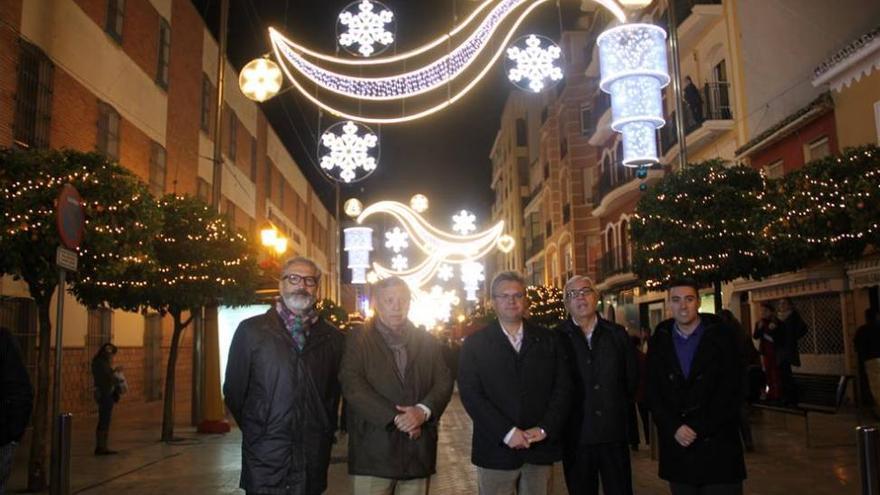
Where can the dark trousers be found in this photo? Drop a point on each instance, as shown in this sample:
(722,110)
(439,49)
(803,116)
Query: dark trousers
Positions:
(645,414)
(7,454)
(789,389)
(721,489)
(584,467)
(105,411)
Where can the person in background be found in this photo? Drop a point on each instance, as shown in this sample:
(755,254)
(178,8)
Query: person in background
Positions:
(767,331)
(792,328)
(867,345)
(106,395)
(749,358)
(16,398)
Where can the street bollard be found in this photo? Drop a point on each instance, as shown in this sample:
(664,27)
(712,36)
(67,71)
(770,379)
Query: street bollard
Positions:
(59,482)
(869,456)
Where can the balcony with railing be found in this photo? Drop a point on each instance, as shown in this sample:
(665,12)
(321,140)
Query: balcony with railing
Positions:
(705,117)
(692,18)
(533,246)
(610,265)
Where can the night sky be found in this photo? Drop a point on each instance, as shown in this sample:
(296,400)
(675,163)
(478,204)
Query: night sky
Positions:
(445,156)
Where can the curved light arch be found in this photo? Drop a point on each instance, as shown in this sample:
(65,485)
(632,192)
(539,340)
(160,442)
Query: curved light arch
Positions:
(611,5)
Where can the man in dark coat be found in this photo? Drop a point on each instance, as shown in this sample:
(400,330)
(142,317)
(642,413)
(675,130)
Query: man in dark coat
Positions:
(791,328)
(16,399)
(281,387)
(694,391)
(514,384)
(867,345)
(396,386)
(605,375)
(693,99)
(106,395)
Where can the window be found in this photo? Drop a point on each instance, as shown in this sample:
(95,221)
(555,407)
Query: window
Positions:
(233,134)
(254,160)
(115,16)
(522,135)
(563,147)
(229,211)
(281,194)
(544,114)
(33,98)
(157,169)
(587,119)
(203,190)
(817,149)
(108,130)
(164,53)
(205,120)
(774,170)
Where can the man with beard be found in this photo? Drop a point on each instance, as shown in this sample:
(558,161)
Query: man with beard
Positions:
(605,374)
(282,389)
(396,386)
(694,391)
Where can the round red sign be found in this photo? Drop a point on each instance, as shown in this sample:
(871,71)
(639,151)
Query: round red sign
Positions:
(70,217)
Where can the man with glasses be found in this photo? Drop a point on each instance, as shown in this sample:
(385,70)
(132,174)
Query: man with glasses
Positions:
(695,391)
(604,371)
(281,387)
(514,384)
(396,386)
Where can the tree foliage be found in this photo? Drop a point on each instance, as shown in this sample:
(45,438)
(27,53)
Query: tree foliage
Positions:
(546,305)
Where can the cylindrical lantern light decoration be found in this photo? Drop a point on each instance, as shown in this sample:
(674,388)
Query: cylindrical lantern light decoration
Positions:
(632,62)
(358,244)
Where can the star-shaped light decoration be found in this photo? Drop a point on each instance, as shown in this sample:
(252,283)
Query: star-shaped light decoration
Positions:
(260,79)
(445,272)
(533,65)
(366,27)
(464,222)
(396,240)
(349,150)
(399,262)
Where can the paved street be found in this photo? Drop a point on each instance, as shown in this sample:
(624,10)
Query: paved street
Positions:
(209,464)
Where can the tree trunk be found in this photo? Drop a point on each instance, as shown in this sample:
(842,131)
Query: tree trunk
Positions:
(37,465)
(168,405)
(718,303)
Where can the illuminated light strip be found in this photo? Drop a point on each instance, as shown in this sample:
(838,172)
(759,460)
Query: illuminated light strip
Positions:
(412,83)
(394,58)
(423,113)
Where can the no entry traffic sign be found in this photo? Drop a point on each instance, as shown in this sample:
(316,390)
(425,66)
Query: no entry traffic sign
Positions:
(70,217)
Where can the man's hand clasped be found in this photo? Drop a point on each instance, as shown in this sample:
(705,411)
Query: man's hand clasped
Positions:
(523,439)
(410,420)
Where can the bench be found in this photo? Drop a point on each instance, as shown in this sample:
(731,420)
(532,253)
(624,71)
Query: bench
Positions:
(816,394)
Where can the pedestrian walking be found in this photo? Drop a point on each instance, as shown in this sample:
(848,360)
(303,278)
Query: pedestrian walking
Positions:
(695,390)
(767,332)
(396,386)
(604,374)
(514,384)
(107,394)
(16,396)
(282,389)
(792,329)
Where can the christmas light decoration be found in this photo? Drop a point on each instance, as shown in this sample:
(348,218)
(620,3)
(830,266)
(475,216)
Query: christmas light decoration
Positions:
(260,79)
(464,222)
(349,151)
(353,207)
(532,63)
(427,309)
(396,240)
(506,243)
(445,272)
(419,203)
(472,275)
(365,27)
(358,244)
(632,63)
(399,262)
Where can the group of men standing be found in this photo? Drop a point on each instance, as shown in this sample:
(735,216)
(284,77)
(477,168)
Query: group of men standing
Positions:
(535,396)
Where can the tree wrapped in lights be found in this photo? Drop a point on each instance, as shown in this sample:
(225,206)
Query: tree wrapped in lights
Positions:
(120,217)
(200,261)
(546,305)
(829,209)
(332,312)
(704,223)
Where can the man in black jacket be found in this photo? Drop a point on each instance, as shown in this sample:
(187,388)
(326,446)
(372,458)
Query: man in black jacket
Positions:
(694,391)
(281,387)
(16,398)
(514,384)
(605,375)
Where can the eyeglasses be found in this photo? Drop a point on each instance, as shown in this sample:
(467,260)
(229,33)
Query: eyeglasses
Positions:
(516,296)
(294,279)
(582,292)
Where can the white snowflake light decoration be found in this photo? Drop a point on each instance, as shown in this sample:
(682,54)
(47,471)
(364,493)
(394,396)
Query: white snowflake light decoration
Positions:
(471,276)
(349,151)
(366,27)
(445,272)
(464,222)
(399,262)
(534,65)
(396,240)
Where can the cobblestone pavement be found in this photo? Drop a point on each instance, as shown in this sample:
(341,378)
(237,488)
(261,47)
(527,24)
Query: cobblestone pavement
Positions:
(209,464)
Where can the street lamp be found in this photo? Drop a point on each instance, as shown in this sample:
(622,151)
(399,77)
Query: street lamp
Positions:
(272,239)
